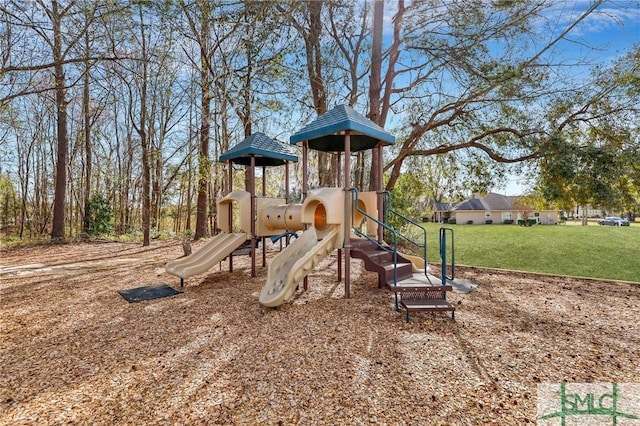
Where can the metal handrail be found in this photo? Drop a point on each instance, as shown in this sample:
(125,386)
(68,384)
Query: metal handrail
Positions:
(393,249)
(421,230)
(443,256)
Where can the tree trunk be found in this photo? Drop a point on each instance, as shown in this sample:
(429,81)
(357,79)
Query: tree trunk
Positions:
(144,140)
(57,230)
(326,167)
(204,165)
(86,113)
(375,82)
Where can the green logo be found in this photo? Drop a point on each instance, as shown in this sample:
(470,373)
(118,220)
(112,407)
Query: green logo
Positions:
(608,402)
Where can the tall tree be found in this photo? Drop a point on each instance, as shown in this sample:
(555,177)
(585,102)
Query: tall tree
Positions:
(199,17)
(593,155)
(467,95)
(56,14)
(375,84)
(141,122)
(62,36)
(306,18)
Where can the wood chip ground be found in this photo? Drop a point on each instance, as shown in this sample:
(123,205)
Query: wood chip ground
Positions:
(73,351)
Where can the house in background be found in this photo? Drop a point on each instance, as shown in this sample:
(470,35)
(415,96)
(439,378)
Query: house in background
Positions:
(492,207)
(579,212)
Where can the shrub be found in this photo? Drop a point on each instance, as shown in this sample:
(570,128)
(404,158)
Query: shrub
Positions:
(469,222)
(451,221)
(531,222)
(508,221)
(488,222)
(99,217)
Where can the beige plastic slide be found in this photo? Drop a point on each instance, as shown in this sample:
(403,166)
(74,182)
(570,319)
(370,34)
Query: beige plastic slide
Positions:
(291,265)
(207,256)
(417,263)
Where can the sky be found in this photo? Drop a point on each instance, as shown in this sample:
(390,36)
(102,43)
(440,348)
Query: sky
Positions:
(604,35)
(613,29)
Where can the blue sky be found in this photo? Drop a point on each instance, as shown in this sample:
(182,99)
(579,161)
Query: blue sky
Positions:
(613,29)
(604,35)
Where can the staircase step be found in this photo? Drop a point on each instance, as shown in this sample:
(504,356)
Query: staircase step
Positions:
(403,272)
(419,290)
(363,243)
(427,305)
(426,298)
(381,262)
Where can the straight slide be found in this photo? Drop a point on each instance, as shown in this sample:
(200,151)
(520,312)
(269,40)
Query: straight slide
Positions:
(207,256)
(291,265)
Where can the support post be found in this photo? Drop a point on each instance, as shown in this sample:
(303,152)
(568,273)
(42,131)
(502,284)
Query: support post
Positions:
(230,208)
(305,187)
(338,180)
(252,189)
(286,182)
(347,215)
(305,159)
(264,193)
(379,193)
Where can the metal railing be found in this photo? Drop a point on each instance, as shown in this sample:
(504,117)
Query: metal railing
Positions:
(394,235)
(393,248)
(443,255)
(421,247)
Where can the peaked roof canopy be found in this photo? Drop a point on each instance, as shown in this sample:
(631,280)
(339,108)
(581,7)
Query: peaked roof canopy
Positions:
(326,133)
(266,151)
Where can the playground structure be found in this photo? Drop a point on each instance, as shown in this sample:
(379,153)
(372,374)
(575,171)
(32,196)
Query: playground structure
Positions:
(345,219)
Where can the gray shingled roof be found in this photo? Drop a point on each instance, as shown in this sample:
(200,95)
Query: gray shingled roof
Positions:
(491,201)
(266,151)
(444,207)
(471,204)
(326,133)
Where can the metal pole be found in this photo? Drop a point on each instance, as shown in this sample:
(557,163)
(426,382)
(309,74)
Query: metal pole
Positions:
(230,209)
(286,181)
(252,189)
(305,160)
(338,179)
(264,193)
(443,256)
(379,193)
(305,184)
(347,214)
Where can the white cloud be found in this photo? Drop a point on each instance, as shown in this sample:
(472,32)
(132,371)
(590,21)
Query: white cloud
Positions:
(614,15)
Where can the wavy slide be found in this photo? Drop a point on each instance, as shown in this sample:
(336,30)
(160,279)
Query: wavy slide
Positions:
(291,265)
(207,256)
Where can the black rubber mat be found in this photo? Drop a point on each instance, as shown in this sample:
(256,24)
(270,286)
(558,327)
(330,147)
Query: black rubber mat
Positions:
(151,292)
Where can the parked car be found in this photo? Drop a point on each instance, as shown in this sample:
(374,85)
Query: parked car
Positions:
(613,221)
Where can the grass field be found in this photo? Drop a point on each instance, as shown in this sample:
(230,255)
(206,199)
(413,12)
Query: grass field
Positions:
(593,251)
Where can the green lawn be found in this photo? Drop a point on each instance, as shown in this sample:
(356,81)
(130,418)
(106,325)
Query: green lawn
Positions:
(588,251)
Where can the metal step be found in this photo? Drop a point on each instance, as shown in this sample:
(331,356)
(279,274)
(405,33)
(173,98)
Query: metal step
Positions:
(426,298)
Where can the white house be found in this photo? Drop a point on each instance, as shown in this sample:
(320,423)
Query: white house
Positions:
(492,207)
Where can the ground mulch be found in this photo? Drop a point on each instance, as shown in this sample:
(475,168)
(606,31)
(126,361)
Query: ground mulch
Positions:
(73,351)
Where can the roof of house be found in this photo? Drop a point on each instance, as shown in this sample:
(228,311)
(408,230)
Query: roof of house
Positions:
(490,201)
(444,207)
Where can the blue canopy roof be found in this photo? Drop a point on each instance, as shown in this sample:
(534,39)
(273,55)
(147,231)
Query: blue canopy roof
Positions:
(326,133)
(266,151)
